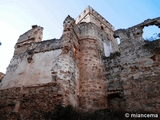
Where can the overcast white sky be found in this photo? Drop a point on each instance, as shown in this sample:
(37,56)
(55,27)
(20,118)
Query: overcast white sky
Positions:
(17,16)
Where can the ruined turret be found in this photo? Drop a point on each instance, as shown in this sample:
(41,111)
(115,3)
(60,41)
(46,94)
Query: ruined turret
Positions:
(85,68)
(90,15)
(27,39)
(64,69)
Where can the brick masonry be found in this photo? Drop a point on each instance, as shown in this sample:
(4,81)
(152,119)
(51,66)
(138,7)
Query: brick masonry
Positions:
(30,102)
(133,73)
(74,70)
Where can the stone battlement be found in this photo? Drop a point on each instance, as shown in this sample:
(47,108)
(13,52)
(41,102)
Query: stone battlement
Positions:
(90,11)
(90,15)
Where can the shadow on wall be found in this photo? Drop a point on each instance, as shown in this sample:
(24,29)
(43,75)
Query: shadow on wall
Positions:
(70,113)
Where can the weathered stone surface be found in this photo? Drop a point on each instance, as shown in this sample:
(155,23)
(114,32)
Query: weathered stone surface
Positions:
(20,72)
(85,68)
(29,102)
(90,15)
(64,69)
(137,69)
(25,40)
(91,92)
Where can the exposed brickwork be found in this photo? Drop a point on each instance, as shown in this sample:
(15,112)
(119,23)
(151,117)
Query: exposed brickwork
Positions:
(23,49)
(30,102)
(133,74)
(90,15)
(45,46)
(64,69)
(134,84)
(91,81)
(37,47)
(25,40)
(91,78)
(84,68)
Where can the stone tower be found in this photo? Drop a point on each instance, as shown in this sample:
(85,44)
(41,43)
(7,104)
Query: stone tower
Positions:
(84,68)
(28,38)
(65,71)
(90,15)
(96,41)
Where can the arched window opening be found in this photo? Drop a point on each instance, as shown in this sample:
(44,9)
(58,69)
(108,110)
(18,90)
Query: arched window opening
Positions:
(151,33)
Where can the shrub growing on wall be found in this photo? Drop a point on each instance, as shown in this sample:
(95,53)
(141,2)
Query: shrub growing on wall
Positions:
(155,36)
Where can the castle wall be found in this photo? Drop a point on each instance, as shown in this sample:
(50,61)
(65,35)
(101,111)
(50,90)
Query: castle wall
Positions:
(91,89)
(45,75)
(27,39)
(91,81)
(64,69)
(114,89)
(20,72)
(133,74)
(90,15)
(133,82)
(30,102)
(141,77)
(31,63)
(79,70)
(65,72)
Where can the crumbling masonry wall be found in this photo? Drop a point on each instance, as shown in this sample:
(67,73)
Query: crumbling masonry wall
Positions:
(74,70)
(91,82)
(64,69)
(30,102)
(90,15)
(32,66)
(132,75)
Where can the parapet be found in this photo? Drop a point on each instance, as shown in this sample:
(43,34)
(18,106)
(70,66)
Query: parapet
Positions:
(90,15)
(148,22)
(35,34)
(136,31)
(90,12)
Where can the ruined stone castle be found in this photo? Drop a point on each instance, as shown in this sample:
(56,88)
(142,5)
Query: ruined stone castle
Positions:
(85,68)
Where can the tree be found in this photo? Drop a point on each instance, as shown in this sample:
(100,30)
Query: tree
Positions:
(155,36)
